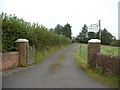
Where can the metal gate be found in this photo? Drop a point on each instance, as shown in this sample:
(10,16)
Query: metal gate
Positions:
(30,54)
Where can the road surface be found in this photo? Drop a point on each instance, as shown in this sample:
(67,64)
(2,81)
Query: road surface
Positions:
(58,71)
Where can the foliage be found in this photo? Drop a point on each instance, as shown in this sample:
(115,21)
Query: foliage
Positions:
(83,35)
(66,30)
(14,28)
(59,29)
(106,37)
(91,35)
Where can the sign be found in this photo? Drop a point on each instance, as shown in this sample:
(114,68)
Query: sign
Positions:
(93,28)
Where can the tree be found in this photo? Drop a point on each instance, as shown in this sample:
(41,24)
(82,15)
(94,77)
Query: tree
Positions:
(84,34)
(67,30)
(92,35)
(58,29)
(106,37)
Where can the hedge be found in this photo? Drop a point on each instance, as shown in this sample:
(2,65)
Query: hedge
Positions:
(14,28)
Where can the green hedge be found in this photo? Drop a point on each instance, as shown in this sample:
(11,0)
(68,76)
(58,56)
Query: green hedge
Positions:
(14,28)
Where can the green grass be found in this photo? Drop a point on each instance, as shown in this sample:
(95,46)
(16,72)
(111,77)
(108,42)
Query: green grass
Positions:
(41,55)
(109,50)
(80,54)
(82,48)
(83,52)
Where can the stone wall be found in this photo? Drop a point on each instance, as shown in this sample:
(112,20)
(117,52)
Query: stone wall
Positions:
(109,63)
(9,60)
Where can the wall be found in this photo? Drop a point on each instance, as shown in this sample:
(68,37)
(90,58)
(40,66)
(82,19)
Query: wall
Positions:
(9,60)
(109,63)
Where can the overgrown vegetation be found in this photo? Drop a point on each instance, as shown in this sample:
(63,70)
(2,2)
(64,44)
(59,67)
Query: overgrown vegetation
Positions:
(80,54)
(14,28)
(45,53)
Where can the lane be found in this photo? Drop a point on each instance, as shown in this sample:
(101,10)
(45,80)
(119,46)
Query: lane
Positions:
(58,71)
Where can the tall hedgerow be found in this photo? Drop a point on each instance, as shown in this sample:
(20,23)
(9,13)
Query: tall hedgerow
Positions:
(14,28)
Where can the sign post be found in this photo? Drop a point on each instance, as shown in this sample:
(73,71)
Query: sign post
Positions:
(100,29)
(93,28)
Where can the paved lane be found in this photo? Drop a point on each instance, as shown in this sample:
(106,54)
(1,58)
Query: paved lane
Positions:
(58,71)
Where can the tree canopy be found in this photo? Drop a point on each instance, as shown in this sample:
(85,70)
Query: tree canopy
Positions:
(63,30)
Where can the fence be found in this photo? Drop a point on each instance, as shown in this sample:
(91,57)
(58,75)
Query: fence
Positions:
(30,54)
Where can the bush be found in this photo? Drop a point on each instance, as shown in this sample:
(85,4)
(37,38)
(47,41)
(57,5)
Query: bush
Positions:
(14,28)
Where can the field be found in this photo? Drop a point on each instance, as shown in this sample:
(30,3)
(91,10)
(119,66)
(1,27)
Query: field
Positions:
(81,53)
(109,50)
(82,48)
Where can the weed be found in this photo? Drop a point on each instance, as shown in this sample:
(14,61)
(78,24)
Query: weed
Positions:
(61,56)
(55,66)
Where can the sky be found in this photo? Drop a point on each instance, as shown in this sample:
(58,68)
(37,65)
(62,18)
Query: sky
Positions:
(75,12)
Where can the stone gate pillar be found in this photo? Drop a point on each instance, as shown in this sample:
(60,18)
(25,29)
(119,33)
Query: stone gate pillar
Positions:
(93,49)
(22,45)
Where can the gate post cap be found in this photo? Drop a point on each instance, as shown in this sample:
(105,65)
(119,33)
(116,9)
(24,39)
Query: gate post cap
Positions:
(22,40)
(94,41)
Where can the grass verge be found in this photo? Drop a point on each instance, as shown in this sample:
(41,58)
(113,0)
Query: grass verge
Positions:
(80,55)
(41,55)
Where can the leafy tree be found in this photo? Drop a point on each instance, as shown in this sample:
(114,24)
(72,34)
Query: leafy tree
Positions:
(67,30)
(92,35)
(84,34)
(106,37)
(58,29)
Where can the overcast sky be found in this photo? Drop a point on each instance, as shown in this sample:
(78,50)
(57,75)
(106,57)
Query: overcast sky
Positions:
(75,12)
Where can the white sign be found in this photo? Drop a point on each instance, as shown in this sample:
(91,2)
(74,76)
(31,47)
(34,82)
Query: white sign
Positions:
(93,28)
